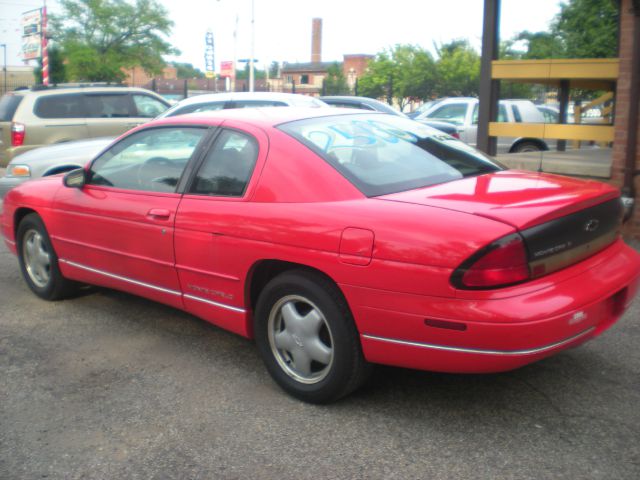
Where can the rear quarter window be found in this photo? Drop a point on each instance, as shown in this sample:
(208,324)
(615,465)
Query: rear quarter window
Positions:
(60,106)
(8,106)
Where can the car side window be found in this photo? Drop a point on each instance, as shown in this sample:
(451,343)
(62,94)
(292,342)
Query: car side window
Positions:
(108,106)
(202,107)
(257,103)
(454,113)
(149,160)
(60,106)
(502,113)
(148,107)
(516,113)
(228,166)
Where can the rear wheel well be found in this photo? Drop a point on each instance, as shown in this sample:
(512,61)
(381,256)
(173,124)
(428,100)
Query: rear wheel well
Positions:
(534,141)
(265,270)
(18,215)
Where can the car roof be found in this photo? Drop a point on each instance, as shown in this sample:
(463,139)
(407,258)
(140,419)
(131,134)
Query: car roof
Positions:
(372,102)
(228,96)
(263,116)
(70,90)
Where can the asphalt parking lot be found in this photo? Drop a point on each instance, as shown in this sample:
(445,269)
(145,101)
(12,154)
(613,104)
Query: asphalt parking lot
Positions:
(111,386)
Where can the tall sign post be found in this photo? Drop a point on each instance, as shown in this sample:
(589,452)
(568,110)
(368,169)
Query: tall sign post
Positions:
(31,34)
(34,39)
(209,57)
(45,51)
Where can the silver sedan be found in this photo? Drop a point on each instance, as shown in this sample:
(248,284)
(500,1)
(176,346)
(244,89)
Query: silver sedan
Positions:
(51,160)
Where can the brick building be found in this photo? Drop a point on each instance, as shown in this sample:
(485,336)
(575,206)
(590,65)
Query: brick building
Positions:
(308,77)
(136,76)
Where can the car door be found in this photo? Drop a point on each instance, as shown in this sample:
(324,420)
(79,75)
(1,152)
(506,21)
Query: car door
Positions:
(504,143)
(211,258)
(109,114)
(117,230)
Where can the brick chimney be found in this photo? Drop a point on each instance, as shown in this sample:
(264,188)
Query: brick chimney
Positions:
(316,40)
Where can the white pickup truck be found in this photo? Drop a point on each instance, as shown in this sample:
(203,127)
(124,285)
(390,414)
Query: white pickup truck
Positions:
(463,112)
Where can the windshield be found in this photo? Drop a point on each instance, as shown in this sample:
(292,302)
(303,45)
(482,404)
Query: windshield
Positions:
(382,154)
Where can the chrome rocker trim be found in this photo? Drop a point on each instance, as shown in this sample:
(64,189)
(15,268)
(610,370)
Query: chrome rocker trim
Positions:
(152,287)
(530,351)
(215,304)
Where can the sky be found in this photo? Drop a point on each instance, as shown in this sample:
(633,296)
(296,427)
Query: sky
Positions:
(283,27)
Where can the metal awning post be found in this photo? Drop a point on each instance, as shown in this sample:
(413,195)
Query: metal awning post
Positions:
(489,88)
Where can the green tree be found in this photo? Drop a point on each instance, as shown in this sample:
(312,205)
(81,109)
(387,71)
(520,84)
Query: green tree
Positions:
(540,45)
(274,69)
(187,70)
(582,29)
(100,37)
(335,83)
(57,70)
(457,69)
(244,73)
(403,72)
(588,28)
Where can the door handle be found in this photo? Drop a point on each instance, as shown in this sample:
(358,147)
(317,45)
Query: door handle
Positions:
(159,213)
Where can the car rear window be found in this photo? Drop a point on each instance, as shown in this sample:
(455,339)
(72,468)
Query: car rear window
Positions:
(257,103)
(382,154)
(8,106)
(60,106)
(193,108)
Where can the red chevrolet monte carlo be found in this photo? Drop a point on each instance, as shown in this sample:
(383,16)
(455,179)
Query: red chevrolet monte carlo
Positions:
(335,239)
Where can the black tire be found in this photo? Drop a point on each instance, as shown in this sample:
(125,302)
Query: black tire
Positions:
(51,285)
(310,292)
(528,147)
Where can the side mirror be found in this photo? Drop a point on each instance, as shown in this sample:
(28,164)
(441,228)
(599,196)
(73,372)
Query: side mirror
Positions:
(75,178)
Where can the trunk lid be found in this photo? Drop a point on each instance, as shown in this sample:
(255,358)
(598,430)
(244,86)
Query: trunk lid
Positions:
(520,199)
(562,220)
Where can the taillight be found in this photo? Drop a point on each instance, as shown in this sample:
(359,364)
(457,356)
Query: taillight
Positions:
(17,134)
(456,135)
(502,263)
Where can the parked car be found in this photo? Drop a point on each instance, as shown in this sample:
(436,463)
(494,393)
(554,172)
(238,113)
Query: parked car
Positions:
(551,114)
(224,101)
(423,108)
(335,239)
(463,112)
(40,116)
(365,103)
(51,160)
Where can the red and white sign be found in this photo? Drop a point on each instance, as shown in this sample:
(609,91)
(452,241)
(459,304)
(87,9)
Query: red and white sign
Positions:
(31,34)
(226,69)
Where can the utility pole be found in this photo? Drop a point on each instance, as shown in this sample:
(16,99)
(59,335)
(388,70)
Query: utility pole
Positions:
(4,68)
(253,44)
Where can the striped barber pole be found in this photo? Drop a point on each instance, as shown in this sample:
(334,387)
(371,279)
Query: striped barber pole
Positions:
(45,53)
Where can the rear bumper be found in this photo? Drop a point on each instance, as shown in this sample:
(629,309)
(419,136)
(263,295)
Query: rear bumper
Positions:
(480,335)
